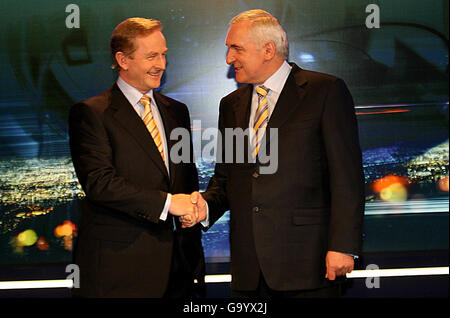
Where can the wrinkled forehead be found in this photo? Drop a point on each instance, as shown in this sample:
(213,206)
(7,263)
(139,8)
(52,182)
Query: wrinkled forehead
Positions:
(239,34)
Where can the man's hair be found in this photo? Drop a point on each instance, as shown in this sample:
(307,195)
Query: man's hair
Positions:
(123,36)
(265,27)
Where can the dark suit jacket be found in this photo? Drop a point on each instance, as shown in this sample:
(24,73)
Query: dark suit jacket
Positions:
(284,223)
(123,249)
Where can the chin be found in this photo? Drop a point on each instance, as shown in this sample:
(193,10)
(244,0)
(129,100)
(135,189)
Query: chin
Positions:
(239,79)
(153,84)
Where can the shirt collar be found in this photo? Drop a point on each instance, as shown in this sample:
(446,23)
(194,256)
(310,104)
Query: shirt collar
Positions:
(276,81)
(131,93)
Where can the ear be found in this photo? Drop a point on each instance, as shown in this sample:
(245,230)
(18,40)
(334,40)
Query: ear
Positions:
(121,59)
(269,50)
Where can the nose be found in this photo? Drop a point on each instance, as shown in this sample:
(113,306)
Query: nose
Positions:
(161,62)
(230,57)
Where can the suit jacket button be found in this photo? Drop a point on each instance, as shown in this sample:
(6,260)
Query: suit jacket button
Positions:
(255,209)
(255,175)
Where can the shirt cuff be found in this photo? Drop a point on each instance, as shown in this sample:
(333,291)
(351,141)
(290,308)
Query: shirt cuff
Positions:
(165,211)
(205,222)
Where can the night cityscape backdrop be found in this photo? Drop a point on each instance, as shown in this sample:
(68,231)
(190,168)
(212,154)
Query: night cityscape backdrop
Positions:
(398,76)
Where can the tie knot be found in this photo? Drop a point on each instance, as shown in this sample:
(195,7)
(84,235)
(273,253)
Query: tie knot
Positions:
(262,90)
(145,100)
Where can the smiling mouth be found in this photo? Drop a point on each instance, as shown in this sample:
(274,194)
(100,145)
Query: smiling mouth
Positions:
(155,74)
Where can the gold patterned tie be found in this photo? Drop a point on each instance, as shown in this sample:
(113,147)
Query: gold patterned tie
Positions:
(261,119)
(150,123)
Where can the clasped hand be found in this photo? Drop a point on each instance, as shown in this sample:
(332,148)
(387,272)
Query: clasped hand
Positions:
(191,208)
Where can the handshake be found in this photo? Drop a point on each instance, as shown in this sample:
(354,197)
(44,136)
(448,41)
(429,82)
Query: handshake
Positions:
(191,208)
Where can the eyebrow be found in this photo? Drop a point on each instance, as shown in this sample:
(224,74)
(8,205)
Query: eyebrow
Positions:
(156,53)
(235,46)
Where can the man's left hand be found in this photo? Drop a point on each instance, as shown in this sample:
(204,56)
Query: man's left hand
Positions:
(338,264)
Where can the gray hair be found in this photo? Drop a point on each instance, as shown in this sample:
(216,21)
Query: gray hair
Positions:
(265,27)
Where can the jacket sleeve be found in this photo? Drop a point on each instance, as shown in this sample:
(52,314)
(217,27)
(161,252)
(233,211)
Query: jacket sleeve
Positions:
(340,134)
(192,182)
(92,157)
(215,194)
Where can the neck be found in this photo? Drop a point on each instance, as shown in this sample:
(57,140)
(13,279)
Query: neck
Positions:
(123,75)
(272,66)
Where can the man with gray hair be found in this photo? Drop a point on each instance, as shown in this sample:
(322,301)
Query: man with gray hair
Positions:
(294,231)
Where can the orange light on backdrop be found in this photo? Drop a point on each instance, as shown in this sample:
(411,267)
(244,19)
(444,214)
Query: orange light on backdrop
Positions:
(392,188)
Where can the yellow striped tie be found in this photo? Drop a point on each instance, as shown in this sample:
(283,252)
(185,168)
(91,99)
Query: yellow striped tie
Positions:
(261,119)
(150,123)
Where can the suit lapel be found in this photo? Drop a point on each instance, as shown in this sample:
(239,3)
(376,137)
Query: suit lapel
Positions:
(169,118)
(290,99)
(241,110)
(127,117)
(242,107)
